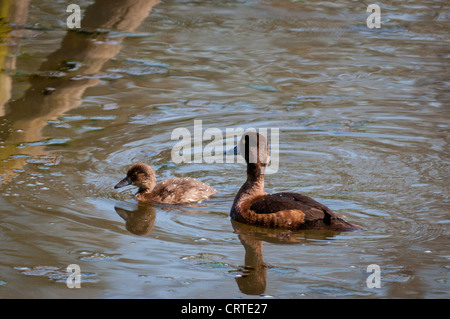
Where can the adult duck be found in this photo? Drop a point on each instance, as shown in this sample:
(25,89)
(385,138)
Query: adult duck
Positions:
(294,211)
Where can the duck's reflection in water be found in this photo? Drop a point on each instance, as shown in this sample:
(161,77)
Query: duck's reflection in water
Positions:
(140,218)
(253,279)
(138,221)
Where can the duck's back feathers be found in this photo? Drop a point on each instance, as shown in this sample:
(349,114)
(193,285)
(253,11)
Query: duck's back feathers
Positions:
(272,203)
(295,211)
(178,191)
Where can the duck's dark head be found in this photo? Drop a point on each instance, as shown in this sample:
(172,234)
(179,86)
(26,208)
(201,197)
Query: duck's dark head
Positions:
(141,175)
(255,150)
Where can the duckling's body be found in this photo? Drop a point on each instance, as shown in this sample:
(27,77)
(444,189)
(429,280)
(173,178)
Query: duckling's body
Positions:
(171,191)
(176,191)
(252,205)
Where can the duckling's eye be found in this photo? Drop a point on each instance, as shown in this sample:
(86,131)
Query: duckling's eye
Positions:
(133,175)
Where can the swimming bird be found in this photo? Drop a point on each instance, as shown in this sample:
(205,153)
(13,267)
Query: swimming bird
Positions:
(252,205)
(171,191)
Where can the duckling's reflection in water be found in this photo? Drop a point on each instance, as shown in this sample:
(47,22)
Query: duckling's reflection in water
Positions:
(139,221)
(253,280)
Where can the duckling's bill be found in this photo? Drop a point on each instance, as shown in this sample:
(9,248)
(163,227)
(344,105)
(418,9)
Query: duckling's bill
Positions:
(124,182)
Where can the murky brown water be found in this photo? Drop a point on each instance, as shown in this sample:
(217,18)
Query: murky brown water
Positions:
(363,116)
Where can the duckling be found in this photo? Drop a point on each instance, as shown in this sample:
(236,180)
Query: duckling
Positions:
(252,205)
(171,191)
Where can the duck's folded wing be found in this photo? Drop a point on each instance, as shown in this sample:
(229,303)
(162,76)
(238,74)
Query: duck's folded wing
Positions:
(278,202)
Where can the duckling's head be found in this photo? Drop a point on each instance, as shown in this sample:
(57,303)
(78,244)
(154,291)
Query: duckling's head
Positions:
(255,150)
(141,175)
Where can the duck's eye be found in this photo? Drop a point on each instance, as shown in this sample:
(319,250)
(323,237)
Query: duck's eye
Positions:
(133,175)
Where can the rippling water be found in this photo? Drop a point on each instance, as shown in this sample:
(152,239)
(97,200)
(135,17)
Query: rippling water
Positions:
(363,116)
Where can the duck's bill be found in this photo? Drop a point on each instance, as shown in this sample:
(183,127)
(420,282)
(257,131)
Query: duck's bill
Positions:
(124,182)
